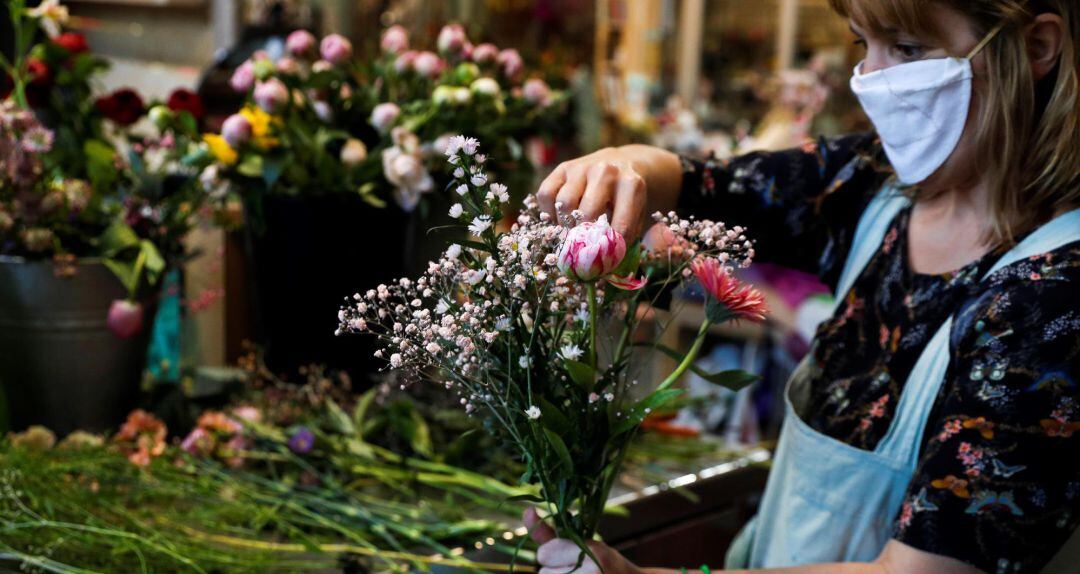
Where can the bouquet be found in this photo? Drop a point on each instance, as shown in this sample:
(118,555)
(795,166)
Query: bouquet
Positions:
(77,180)
(319,120)
(516,323)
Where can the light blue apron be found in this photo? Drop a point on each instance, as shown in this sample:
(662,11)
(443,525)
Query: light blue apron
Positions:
(827,501)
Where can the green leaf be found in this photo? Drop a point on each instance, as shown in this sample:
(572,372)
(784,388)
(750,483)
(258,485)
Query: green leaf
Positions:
(734,379)
(100,166)
(338,420)
(360,411)
(629,264)
(559,446)
(118,237)
(639,411)
(155,263)
(251,166)
(581,373)
(124,271)
(552,416)
(188,123)
(421,436)
(526,498)
(367,193)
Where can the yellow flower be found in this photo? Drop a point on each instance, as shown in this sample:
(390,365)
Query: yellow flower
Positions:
(220,148)
(261,123)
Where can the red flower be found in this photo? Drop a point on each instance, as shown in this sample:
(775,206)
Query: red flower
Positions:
(124,106)
(72,42)
(183,100)
(741,301)
(40,74)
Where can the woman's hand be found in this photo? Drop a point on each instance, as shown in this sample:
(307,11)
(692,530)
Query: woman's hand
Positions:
(627,183)
(560,556)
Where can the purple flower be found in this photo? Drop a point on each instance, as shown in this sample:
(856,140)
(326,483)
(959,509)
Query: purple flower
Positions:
(302,441)
(236,130)
(335,49)
(300,42)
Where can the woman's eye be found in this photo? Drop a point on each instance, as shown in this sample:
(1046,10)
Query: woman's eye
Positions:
(909,51)
(860,42)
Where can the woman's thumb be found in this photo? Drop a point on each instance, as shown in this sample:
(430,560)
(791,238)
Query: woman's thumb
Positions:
(540,532)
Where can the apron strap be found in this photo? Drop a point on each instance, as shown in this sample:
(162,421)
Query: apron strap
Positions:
(903,441)
(873,224)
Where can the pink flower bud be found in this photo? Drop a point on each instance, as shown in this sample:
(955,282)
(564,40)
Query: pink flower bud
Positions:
(300,43)
(243,77)
(125,318)
(451,39)
(353,152)
(536,92)
(485,53)
(384,115)
(394,40)
(236,130)
(428,64)
(271,95)
(405,61)
(288,66)
(591,250)
(335,49)
(511,63)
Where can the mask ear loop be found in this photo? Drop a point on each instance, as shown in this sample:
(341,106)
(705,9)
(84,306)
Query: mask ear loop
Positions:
(989,37)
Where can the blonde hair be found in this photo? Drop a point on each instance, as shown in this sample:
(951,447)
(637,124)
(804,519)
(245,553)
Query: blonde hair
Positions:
(1028,135)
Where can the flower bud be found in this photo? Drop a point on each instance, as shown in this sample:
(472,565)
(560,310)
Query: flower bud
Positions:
(125,318)
(384,115)
(405,61)
(428,64)
(335,49)
(591,250)
(300,43)
(236,130)
(485,87)
(395,40)
(536,92)
(462,96)
(451,39)
(510,62)
(485,53)
(442,95)
(161,116)
(243,77)
(263,68)
(353,152)
(466,72)
(288,66)
(271,95)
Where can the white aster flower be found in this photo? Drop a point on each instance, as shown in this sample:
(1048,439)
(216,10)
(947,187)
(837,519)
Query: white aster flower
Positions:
(459,173)
(480,225)
(453,252)
(454,146)
(479,179)
(582,316)
(571,352)
(524,361)
(470,145)
(456,210)
(499,191)
(462,189)
(533,412)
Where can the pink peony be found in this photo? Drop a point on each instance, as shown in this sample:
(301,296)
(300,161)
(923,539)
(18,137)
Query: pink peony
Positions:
(485,53)
(236,130)
(243,77)
(591,250)
(395,40)
(300,43)
(271,95)
(125,318)
(536,92)
(510,62)
(335,49)
(405,61)
(452,39)
(384,115)
(428,64)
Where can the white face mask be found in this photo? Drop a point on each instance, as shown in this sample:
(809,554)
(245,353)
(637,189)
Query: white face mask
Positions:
(919,110)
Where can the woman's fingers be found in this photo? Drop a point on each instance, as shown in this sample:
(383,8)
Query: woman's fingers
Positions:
(629,204)
(569,196)
(599,191)
(549,188)
(561,553)
(541,533)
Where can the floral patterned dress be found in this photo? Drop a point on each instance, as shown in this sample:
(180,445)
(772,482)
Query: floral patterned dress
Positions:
(998,482)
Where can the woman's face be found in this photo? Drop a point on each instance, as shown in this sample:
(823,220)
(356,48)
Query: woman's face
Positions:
(958,38)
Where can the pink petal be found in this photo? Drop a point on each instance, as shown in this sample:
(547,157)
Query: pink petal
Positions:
(628,283)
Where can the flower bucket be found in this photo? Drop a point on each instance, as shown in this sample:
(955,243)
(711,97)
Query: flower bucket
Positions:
(306,253)
(60,366)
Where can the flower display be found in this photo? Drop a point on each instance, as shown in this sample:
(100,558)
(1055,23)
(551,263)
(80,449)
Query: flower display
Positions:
(311,114)
(141,438)
(514,324)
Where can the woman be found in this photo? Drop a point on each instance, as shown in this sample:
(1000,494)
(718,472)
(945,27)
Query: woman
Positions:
(935,425)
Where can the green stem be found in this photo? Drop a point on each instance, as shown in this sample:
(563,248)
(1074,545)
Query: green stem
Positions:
(689,358)
(592,325)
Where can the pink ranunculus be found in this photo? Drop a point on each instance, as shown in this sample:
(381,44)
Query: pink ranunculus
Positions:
(511,63)
(335,49)
(404,62)
(236,130)
(271,95)
(485,53)
(591,250)
(452,39)
(428,64)
(125,318)
(395,40)
(384,115)
(537,92)
(243,77)
(300,43)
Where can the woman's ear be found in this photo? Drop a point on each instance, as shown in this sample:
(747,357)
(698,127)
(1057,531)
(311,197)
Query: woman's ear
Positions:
(1045,39)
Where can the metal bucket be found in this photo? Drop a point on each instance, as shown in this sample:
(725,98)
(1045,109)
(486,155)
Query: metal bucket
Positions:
(60,366)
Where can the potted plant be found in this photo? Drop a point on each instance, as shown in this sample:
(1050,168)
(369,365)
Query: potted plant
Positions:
(91,216)
(335,159)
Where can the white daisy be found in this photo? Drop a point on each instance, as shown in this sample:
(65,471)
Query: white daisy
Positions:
(456,210)
(480,225)
(571,352)
(533,412)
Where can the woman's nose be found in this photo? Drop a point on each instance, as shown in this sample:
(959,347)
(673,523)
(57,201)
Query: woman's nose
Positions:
(873,62)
